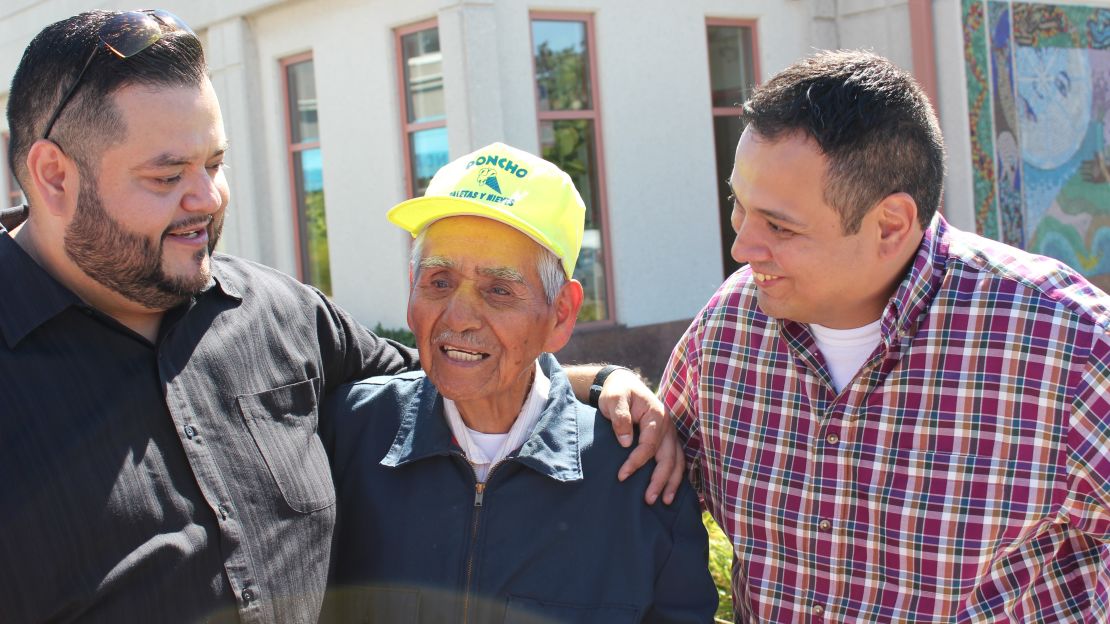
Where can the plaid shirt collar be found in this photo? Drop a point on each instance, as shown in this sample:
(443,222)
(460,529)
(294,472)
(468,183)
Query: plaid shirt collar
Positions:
(903,312)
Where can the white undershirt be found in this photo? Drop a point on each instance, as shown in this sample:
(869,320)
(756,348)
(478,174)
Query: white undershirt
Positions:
(846,350)
(483,450)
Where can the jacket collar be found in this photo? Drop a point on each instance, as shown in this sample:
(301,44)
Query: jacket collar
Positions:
(553,449)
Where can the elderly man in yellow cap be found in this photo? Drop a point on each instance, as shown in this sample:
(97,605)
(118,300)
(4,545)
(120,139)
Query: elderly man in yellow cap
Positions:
(481,490)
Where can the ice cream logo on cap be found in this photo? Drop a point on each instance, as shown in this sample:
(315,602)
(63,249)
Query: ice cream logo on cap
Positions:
(488,177)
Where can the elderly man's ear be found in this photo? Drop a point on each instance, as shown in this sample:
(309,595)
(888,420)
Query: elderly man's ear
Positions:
(566,313)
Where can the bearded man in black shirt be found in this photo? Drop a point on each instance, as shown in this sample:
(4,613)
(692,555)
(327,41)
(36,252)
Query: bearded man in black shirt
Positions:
(158,440)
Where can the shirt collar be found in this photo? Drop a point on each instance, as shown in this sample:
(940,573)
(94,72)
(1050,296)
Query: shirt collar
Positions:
(228,282)
(522,427)
(12,217)
(552,448)
(31,296)
(915,294)
(906,307)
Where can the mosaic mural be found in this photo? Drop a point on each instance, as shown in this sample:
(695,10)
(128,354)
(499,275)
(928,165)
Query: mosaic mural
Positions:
(1038,85)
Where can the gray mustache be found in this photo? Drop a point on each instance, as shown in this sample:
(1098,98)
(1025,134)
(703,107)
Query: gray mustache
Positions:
(465,339)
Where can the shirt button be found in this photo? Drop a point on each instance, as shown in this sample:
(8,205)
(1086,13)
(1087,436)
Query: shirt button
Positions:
(190,431)
(824,525)
(248,595)
(223,512)
(818,610)
(832,439)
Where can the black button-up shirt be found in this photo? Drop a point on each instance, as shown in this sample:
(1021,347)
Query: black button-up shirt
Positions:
(176,481)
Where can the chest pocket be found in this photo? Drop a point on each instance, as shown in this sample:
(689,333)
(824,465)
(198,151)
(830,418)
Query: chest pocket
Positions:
(521,610)
(927,505)
(283,422)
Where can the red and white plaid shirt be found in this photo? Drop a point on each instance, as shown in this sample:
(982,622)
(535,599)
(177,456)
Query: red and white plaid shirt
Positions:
(962,476)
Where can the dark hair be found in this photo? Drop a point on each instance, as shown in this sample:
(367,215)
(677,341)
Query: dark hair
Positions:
(90,121)
(870,119)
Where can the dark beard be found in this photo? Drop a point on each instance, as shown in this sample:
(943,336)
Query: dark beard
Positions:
(126,262)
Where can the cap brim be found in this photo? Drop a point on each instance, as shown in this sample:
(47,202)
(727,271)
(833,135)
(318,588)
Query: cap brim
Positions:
(418,213)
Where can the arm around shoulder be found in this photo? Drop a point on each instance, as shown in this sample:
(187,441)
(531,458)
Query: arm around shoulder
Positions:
(357,353)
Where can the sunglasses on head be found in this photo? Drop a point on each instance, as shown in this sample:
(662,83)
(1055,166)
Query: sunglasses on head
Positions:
(125,35)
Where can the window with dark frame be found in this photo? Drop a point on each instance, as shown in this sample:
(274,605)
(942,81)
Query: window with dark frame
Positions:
(423,107)
(733,72)
(306,171)
(570,137)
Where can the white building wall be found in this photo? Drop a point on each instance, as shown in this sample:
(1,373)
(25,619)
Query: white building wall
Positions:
(360,137)
(654,99)
(663,190)
(878,25)
(959,196)
(883,26)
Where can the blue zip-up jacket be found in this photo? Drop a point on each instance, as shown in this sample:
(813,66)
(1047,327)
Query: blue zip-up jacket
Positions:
(552,536)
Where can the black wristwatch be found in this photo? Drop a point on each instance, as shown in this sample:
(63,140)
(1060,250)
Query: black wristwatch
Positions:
(599,382)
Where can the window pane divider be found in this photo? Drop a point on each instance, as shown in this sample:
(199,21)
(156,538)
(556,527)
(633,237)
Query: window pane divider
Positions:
(726,111)
(568,115)
(425,125)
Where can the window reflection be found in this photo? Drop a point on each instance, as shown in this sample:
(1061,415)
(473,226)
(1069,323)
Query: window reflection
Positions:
(569,144)
(302,103)
(731,68)
(568,126)
(732,76)
(423,103)
(429,153)
(314,225)
(562,65)
(308,175)
(423,67)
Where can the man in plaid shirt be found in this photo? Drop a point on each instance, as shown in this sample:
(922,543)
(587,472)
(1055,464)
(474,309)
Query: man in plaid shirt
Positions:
(893,420)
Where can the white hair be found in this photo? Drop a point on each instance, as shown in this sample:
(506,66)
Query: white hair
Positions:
(549,267)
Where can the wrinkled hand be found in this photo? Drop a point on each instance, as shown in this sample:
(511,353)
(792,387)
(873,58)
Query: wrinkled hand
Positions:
(625,400)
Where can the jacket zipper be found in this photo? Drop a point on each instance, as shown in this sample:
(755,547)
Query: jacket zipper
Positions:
(479,497)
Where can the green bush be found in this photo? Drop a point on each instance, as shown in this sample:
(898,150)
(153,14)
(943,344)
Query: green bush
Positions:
(400,335)
(720,567)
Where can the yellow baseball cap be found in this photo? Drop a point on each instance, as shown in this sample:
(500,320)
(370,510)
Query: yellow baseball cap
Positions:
(509,185)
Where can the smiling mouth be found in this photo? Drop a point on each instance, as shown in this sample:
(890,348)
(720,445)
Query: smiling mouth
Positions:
(763,278)
(189,234)
(191,231)
(462,355)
